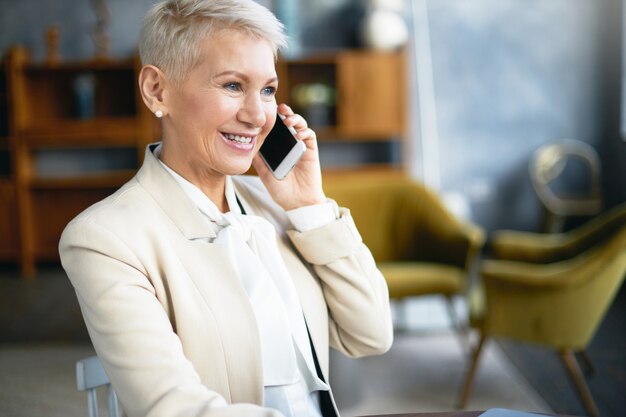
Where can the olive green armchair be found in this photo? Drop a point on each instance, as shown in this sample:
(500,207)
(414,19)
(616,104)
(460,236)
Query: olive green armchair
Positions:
(419,246)
(552,290)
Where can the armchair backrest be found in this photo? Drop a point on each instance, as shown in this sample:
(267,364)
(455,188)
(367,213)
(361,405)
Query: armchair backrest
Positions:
(400,219)
(548,163)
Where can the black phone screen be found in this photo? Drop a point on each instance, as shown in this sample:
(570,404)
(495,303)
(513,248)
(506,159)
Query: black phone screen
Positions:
(278,144)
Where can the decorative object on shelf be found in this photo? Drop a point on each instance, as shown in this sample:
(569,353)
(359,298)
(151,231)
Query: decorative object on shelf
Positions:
(84,86)
(103,15)
(52,45)
(383,26)
(316,101)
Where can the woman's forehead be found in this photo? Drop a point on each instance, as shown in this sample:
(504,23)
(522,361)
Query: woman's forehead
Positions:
(236,48)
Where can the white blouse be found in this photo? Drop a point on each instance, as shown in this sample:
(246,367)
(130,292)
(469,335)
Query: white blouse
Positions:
(290,380)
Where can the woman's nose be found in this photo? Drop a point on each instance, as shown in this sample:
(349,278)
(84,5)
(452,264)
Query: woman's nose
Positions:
(252,111)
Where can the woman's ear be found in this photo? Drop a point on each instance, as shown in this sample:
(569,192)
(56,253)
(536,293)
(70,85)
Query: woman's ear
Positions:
(152,84)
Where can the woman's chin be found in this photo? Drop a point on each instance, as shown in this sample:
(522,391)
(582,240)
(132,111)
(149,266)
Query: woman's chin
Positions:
(250,170)
(240,169)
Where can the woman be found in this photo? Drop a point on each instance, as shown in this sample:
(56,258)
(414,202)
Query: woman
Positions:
(206,293)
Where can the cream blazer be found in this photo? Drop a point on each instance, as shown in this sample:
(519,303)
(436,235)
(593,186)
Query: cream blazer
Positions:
(171,321)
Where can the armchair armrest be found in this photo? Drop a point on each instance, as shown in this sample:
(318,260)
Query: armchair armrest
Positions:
(544,248)
(568,273)
(537,276)
(520,246)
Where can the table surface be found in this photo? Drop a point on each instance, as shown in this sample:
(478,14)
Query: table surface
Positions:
(438,414)
(452,414)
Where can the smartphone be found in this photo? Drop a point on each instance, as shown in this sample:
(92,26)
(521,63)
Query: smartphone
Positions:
(281,150)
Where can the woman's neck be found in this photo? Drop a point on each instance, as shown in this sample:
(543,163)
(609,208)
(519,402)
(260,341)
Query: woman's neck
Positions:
(216,194)
(211,184)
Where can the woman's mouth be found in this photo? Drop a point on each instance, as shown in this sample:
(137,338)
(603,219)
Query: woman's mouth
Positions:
(243,142)
(237,138)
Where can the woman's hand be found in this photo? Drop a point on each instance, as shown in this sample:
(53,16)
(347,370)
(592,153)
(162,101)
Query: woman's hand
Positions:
(303,185)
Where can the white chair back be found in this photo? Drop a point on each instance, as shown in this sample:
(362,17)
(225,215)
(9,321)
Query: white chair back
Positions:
(89,376)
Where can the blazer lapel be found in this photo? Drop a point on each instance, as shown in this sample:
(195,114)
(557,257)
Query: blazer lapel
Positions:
(171,198)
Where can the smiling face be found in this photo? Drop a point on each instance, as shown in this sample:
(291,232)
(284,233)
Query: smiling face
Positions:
(219,116)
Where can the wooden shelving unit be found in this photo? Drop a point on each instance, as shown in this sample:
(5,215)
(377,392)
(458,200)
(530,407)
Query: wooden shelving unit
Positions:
(9,242)
(42,108)
(64,106)
(370,89)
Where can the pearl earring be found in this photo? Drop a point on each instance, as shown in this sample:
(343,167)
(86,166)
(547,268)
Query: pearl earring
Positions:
(158,114)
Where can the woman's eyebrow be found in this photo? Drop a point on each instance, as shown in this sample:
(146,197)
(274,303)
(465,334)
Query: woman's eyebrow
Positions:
(243,76)
(232,72)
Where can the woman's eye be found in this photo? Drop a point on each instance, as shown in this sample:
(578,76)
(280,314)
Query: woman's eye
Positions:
(232,86)
(269,91)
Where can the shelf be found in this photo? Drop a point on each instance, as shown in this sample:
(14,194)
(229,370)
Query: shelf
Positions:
(336,134)
(314,57)
(366,169)
(126,64)
(97,180)
(348,95)
(114,131)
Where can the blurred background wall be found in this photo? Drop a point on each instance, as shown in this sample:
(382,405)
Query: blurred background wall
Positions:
(512,75)
(508,76)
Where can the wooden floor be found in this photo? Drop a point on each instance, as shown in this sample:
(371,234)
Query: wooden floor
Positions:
(45,309)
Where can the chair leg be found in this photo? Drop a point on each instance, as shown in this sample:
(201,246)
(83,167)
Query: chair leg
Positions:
(585,360)
(579,380)
(454,318)
(114,406)
(92,402)
(469,379)
(461,328)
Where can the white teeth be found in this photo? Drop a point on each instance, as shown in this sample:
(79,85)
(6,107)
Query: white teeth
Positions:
(236,138)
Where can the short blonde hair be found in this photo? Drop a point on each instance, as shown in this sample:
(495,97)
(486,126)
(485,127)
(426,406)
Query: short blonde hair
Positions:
(172,29)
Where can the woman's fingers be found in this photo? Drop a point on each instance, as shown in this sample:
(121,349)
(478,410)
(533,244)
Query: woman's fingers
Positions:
(299,123)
